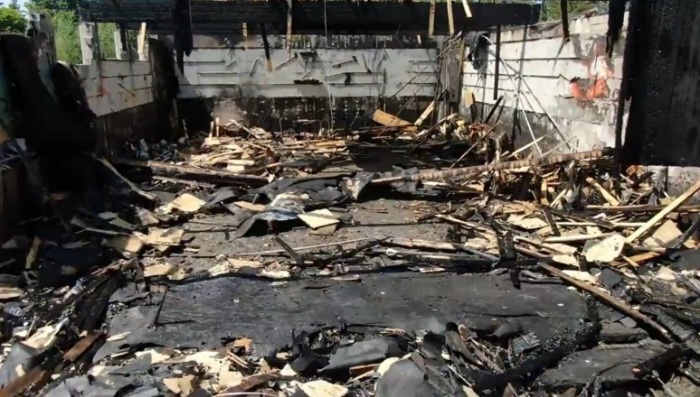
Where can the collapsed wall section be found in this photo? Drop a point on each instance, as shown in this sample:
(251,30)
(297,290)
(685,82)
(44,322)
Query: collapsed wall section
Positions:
(569,90)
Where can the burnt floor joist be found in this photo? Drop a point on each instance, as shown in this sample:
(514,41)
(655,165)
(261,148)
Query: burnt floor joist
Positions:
(311,17)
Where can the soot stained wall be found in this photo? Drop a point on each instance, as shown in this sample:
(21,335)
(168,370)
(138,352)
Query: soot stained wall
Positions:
(229,77)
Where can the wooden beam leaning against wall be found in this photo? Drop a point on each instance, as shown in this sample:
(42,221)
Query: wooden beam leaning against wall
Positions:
(450,19)
(141,42)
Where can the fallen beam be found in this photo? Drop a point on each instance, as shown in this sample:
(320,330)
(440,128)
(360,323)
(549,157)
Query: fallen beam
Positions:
(500,166)
(188,172)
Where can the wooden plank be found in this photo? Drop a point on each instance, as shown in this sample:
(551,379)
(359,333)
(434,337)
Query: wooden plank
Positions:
(141,42)
(450,19)
(389,120)
(467,9)
(664,212)
(426,113)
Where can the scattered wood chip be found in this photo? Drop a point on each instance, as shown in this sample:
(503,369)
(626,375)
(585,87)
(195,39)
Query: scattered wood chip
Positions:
(250,206)
(232,265)
(185,203)
(319,218)
(418,243)
(581,276)
(245,344)
(324,230)
(117,337)
(568,260)
(527,222)
(43,337)
(348,277)
(130,244)
(276,274)
(665,234)
(157,236)
(322,388)
(33,252)
(10,293)
(605,250)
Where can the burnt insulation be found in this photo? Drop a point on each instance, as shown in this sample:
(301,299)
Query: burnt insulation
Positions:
(662,78)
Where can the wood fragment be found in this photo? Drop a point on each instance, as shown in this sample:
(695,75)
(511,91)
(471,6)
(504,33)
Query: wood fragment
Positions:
(663,213)
(607,299)
(319,218)
(389,120)
(252,382)
(429,110)
(450,19)
(604,192)
(467,9)
(212,175)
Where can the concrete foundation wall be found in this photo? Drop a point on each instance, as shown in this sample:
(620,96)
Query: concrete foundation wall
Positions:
(576,83)
(359,73)
(121,93)
(112,86)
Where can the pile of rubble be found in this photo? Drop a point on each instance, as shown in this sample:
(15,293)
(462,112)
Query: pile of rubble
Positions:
(250,263)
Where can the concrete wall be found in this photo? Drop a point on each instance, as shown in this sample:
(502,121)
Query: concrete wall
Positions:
(360,73)
(576,82)
(112,86)
(121,93)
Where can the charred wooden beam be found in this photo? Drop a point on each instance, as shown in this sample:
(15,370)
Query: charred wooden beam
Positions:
(311,17)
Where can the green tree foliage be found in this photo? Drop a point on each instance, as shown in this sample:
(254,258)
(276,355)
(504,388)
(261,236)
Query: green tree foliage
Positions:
(53,5)
(11,20)
(551,9)
(65,24)
(14,4)
(64,17)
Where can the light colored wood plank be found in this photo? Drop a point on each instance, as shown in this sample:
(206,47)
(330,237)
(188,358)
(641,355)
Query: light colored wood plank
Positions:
(664,212)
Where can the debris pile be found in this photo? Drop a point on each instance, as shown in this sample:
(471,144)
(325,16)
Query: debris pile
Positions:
(392,261)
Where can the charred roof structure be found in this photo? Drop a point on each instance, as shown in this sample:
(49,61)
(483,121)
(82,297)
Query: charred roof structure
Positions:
(662,80)
(309,17)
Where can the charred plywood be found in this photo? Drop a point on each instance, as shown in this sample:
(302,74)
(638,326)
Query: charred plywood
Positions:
(664,117)
(310,17)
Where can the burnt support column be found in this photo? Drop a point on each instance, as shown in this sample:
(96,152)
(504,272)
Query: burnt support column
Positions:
(119,45)
(89,42)
(662,77)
